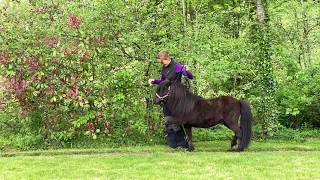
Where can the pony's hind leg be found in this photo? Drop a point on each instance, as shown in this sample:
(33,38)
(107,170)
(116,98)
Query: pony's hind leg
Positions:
(233,144)
(189,137)
(236,138)
(232,124)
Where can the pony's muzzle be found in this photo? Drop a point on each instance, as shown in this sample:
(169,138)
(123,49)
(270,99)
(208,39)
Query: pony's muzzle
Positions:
(157,101)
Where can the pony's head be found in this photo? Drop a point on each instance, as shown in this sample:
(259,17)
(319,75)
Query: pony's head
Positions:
(177,97)
(162,92)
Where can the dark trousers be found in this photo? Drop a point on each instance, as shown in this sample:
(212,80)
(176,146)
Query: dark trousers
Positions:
(175,135)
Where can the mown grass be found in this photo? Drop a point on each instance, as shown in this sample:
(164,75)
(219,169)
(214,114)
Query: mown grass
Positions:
(210,160)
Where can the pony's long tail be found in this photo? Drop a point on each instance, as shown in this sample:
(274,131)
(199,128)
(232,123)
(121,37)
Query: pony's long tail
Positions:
(245,124)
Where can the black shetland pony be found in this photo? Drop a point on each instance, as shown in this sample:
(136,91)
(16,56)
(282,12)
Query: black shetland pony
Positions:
(190,111)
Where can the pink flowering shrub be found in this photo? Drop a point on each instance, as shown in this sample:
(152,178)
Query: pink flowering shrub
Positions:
(64,69)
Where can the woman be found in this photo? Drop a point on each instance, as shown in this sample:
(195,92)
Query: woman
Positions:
(173,71)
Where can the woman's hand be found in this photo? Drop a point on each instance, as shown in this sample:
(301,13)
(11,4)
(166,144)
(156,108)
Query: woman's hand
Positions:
(150,81)
(186,67)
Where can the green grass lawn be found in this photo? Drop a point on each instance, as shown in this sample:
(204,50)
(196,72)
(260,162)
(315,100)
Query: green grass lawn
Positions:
(210,160)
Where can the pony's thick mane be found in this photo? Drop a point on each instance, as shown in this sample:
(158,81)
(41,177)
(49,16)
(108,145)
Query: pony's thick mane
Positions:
(181,101)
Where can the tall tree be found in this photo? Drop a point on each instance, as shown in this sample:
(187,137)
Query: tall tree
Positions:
(267,114)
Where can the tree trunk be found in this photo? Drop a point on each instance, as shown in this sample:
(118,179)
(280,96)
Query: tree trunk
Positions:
(184,15)
(261,13)
(306,30)
(236,19)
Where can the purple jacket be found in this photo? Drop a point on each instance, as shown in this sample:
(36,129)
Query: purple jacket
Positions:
(173,72)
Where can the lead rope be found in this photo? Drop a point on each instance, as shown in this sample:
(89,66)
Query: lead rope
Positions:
(186,135)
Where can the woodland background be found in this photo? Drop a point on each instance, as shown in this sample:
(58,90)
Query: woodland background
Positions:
(76,72)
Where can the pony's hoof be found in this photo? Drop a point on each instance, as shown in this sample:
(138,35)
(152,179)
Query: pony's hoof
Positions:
(233,148)
(190,149)
(236,149)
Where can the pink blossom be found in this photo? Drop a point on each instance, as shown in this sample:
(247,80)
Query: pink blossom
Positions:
(32,62)
(74,22)
(98,40)
(18,84)
(4,58)
(90,127)
(85,55)
(73,92)
(107,125)
(35,77)
(67,53)
(24,113)
(51,41)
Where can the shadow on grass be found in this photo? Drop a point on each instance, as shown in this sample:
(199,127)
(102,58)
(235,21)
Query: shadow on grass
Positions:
(260,149)
(207,147)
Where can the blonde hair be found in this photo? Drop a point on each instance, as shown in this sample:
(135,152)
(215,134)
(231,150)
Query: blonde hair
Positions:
(164,54)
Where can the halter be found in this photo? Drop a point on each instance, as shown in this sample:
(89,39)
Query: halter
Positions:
(164,96)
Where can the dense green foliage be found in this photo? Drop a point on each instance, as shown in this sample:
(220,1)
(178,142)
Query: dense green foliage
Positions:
(77,70)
